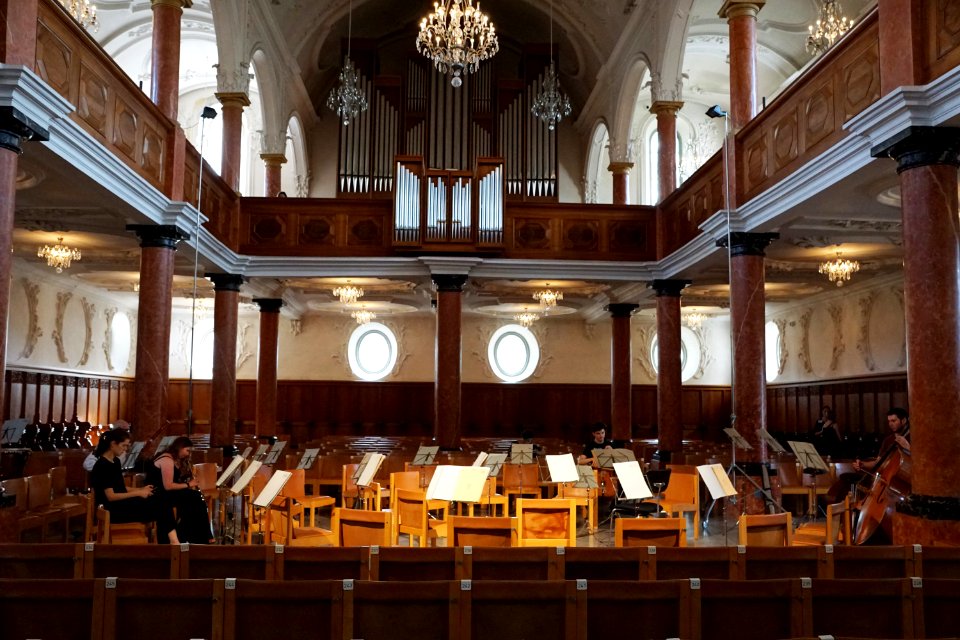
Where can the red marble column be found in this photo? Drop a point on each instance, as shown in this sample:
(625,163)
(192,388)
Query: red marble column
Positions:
(901,43)
(621,368)
(18,40)
(741,18)
(271,173)
(928,158)
(666,112)
(232,110)
(446,415)
(158,245)
(621,181)
(165,81)
(267,365)
(669,367)
(747,319)
(223,401)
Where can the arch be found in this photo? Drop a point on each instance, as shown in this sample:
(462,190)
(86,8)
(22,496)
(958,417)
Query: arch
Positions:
(625,109)
(271,103)
(295,174)
(597,181)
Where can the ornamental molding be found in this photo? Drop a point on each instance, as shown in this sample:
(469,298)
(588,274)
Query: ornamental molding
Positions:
(89,313)
(32,289)
(107,345)
(782,346)
(835,309)
(804,354)
(866,304)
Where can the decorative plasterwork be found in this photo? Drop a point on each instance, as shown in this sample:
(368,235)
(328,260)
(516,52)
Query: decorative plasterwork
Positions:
(403,351)
(296,327)
(32,289)
(63,299)
(344,328)
(866,303)
(484,331)
(180,346)
(541,331)
(782,347)
(233,79)
(642,357)
(902,358)
(805,340)
(244,353)
(107,345)
(89,312)
(303,185)
(706,359)
(836,315)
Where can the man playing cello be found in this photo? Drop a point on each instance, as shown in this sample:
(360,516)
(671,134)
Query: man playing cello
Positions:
(899,436)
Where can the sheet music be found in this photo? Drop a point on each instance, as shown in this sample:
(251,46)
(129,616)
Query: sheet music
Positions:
(738,440)
(562,468)
(13,430)
(308,458)
(131,458)
(807,456)
(494,463)
(275,451)
(631,480)
(480,459)
(272,488)
(460,484)
(229,471)
(717,481)
(246,477)
(521,453)
(771,441)
(370,469)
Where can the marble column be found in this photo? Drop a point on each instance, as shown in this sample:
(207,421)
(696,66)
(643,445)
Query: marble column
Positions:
(621,181)
(223,400)
(901,43)
(666,112)
(18,40)
(669,364)
(747,320)
(741,17)
(165,79)
(267,365)
(232,109)
(621,368)
(273,163)
(927,161)
(158,246)
(446,414)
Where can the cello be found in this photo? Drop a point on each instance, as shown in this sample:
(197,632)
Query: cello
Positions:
(891,484)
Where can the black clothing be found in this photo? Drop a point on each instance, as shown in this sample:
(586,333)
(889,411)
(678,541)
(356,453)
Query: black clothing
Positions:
(826,438)
(109,475)
(182,509)
(591,444)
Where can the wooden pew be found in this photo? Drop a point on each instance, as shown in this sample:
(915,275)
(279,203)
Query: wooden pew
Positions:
(660,609)
(878,608)
(156,561)
(598,563)
(403,610)
(518,563)
(61,609)
(323,563)
(162,609)
(751,609)
(294,609)
(41,561)
(249,562)
(512,609)
(414,564)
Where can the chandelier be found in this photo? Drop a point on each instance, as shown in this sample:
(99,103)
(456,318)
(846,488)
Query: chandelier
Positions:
(362,316)
(839,270)
(59,256)
(830,25)
(83,12)
(348,294)
(457,38)
(346,99)
(548,298)
(551,105)
(694,319)
(526,318)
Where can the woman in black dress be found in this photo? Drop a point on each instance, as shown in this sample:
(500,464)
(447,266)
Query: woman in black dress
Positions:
(109,489)
(181,504)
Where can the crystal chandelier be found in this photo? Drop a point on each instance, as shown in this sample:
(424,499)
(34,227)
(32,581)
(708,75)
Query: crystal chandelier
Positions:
(839,270)
(526,318)
(348,294)
(551,105)
(84,13)
(362,316)
(694,319)
(59,256)
(346,99)
(457,38)
(548,298)
(830,25)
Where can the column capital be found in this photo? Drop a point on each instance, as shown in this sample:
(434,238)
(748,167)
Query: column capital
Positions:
(225,281)
(16,128)
(164,236)
(175,4)
(921,146)
(273,159)
(620,168)
(233,99)
(269,305)
(669,288)
(666,107)
(233,79)
(451,282)
(621,309)
(748,244)
(737,8)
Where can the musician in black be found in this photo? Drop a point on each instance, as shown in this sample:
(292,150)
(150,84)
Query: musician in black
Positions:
(826,434)
(598,440)
(899,422)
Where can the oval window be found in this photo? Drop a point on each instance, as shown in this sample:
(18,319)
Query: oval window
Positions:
(513,353)
(372,351)
(689,343)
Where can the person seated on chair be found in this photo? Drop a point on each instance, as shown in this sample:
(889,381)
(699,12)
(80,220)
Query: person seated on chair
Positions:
(109,489)
(826,434)
(899,437)
(526,437)
(176,490)
(598,440)
(91,459)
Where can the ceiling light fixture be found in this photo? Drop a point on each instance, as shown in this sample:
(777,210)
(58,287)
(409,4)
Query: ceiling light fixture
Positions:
(526,318)
(346,99)
(839,270)
(83,12)
(548,298)
(829,26)
(348,294)
(59,256)
(362,316)
(457,36)
(551,105)
(694,319)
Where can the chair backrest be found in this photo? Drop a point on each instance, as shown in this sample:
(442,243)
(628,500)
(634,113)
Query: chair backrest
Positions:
(651,532)
(465,531)
(296,485)
(17,487)
(546,522)
(403,480)
(766,530)
(348,488)
(411,509)
(682,487)
(58,481)
(837,521)
(361,528)
(206,475)
(520,475)
(38,491)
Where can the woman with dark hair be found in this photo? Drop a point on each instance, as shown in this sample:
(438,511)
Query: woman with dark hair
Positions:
(826,434)
(109,489)
(182,506)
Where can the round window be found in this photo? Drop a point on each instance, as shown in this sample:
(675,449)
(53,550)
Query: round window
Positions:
(513,353)
(689,343)
(372,351)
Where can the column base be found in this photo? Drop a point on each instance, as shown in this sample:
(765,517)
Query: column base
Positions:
(909,529)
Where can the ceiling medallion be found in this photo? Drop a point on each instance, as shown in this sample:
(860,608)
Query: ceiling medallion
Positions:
(348,294)
(526,318)
(346,99)
(59,256)
(548,298)
(551,105)
(839,270)
(830,25)
(457,36)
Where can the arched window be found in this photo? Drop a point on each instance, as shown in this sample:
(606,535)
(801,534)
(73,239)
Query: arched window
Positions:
(372,351)
(513,353)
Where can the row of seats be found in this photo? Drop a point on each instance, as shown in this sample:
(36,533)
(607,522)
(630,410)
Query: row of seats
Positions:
(275,562)
(238,609)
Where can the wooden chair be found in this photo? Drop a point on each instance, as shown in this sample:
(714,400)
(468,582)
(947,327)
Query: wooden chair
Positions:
(521,480)
(490,531)
(361,528)
(53,519)
(647,532)
(206,475)
(307,506)
(410,481)
(413,519)
(829,532)
(121,533)
(546,523)
(490,499)
(32,525)
(74,507)
(286,520)
(588,499)
(767,530)
(250,604)
(681,496)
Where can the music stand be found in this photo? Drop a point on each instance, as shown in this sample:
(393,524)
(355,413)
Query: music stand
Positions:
(720,487)
(521,454)
(131,458)
(772,442)
(812,464)
(13,431)
(308,458)
(275,451)
(425,456)
(261,451)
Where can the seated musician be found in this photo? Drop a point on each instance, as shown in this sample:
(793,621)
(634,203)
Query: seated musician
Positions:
(91,459)
(899,422)
(181,505)
(598,440)
(826,434)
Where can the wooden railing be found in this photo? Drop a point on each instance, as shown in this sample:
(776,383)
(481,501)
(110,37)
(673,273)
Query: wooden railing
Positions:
(942,37)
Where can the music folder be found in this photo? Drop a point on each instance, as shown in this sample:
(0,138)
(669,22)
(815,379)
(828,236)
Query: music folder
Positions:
(738,440)
(261,451)
(361,467)
(631,479)
(807,456)
(457,484)
(562,468)
(246,477)
(717,481)
(772,442)
(425,455)
(246,453)
(230,470)
(369,469)
(272,489)
(521,453)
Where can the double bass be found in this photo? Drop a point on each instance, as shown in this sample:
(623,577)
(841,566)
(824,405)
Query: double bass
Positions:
(891,484)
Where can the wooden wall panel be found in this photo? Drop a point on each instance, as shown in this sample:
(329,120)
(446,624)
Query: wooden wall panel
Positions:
(680,215)
(942,37)
(55,397)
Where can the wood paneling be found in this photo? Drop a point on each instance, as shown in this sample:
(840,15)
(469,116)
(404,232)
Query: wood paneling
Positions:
(54,397)
(942,37)
(221,204)
(682,212)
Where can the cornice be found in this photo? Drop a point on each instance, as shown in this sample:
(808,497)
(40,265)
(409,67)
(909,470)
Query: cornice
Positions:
(34,102)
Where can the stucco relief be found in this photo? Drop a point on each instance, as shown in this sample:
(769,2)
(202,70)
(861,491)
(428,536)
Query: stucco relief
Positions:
(706,359)
(866,303)
(107,345)
(32,289)
(344,328)
(296,327)
(902,358)
(484,331)
(244,352)
(839,346)
(541,332)
(89,311)
(180,343)
(403,352)
(63,299)
(804,354)
(782,347)
(642,354)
